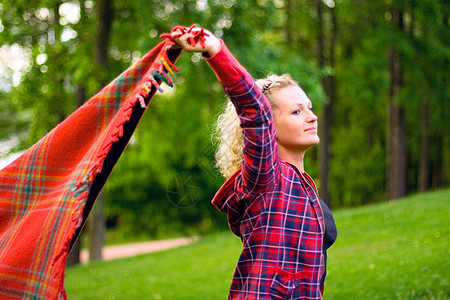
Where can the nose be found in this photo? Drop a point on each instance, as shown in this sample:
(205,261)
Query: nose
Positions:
(311,118)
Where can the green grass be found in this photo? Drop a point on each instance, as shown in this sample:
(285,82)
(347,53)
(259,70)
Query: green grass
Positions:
(394,250)
(202,270)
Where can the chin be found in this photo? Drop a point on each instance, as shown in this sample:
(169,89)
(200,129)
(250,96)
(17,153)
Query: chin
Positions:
(315,141)
(311,144)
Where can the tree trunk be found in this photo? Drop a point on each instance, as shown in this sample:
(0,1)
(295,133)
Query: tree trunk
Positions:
(437,181)
(325,118)
(74,255)
(424,168)
(439,137)
(105,17)
(330,90)
(322,122)
(289,10)
(98,229)
(81,95)
(396,152)
(97,219)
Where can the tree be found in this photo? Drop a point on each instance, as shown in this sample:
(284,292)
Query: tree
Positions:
(428,25)
(395,152)
(326,44)
(101,46)
(424,167)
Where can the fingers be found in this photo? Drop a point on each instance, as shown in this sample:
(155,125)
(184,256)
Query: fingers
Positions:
(191,39)
(177,33)
(183,41)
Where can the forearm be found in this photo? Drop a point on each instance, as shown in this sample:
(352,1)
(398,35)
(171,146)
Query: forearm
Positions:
(240,87)
(253,109)
(226,67)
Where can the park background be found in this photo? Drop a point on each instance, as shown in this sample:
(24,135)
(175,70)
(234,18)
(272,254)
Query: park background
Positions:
(376,72)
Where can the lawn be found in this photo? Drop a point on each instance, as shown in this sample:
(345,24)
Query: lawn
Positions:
(394,250)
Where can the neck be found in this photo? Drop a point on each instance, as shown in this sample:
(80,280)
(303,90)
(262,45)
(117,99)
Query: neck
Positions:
(294,158)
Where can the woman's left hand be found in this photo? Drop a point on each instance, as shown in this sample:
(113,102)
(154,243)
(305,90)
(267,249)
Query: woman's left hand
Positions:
(189,39)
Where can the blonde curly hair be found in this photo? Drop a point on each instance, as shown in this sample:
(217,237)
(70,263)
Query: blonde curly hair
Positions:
(228,131)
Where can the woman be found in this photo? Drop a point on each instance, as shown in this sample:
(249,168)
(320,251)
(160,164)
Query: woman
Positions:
(272,204)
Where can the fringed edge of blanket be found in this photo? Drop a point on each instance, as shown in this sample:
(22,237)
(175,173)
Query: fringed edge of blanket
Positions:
(143,94)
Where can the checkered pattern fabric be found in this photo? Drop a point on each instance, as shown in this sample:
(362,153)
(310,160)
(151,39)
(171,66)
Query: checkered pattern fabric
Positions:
(46,194)
(271,206)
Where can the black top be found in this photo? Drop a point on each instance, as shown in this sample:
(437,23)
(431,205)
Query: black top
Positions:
(329,237)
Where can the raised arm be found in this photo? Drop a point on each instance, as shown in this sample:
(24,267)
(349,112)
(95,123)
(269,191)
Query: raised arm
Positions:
(260,157)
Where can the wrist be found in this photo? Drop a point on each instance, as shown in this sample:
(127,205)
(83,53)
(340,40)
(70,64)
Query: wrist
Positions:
(213,46)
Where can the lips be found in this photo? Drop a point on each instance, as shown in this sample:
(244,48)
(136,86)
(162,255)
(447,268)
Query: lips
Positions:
(311,129)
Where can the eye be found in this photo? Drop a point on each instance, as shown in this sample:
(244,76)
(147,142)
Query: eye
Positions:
(311,109)
(296,112)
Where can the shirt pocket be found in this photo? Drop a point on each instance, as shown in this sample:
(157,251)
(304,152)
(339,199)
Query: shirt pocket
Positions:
(287,285)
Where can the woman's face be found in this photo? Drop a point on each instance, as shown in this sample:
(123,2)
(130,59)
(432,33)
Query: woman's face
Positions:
(295,123)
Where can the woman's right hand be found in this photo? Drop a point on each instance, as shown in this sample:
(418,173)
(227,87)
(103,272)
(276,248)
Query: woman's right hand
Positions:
(188,42)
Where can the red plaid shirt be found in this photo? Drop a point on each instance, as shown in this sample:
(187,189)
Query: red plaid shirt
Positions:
(271,206)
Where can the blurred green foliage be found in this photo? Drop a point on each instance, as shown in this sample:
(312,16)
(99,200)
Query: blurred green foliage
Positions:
(166,177)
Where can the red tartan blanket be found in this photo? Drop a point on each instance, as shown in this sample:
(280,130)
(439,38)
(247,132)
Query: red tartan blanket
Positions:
(47,193)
